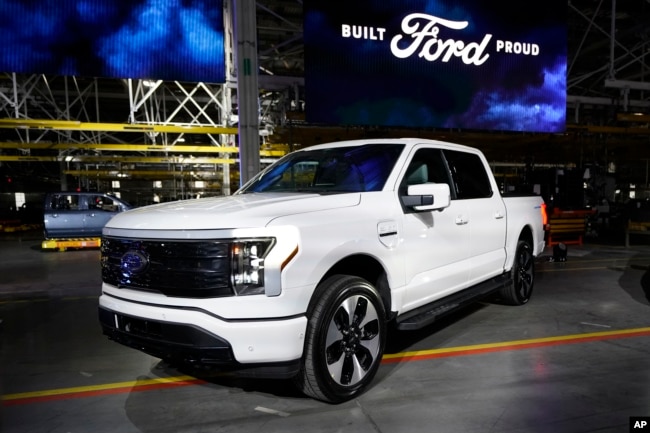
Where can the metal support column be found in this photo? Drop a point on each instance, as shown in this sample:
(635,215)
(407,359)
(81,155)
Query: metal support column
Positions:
(247,88)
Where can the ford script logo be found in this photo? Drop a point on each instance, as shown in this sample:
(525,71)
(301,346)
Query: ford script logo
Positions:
(133,262)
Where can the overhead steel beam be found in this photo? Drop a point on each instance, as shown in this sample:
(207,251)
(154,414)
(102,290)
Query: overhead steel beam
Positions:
(153,174)
(608,102)
(93,159)
(27,158)
(186,149)
(119,147)
(626,84)
(72,125)
(610,129)
(633,117)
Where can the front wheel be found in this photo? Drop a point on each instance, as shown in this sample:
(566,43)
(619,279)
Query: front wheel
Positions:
(522,276)
(345,339)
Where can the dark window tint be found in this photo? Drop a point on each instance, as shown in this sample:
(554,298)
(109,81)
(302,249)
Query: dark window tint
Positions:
(333,170)
(468,172)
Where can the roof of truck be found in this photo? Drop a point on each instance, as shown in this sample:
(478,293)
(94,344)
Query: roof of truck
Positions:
(409,141)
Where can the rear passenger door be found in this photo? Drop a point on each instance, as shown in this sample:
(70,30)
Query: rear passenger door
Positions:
(485,210)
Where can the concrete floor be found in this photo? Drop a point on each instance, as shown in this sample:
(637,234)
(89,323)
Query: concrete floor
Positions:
(575,359)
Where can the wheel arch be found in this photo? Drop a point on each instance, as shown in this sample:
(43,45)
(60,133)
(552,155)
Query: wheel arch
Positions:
(525,234)
(366,267)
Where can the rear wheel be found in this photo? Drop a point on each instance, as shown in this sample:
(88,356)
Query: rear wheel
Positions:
(522,275)
(345,339)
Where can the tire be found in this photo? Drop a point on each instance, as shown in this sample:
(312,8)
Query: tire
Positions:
(522,275)
(346,335)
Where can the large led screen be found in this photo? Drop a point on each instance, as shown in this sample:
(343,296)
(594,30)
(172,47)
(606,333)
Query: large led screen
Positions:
(470,64)
(178,40)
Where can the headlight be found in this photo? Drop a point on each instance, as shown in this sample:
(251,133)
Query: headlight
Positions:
(247,264)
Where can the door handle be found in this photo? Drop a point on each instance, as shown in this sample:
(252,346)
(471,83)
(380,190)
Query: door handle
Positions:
(461,220)
(498,215)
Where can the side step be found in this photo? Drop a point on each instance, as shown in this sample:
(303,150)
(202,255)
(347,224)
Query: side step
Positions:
(427,314)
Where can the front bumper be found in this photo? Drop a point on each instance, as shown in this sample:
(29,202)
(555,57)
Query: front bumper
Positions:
(260,348)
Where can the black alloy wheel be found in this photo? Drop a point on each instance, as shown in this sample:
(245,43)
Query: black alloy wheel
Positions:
(345,339)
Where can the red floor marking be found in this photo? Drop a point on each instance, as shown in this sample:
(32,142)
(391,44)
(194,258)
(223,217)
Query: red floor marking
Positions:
(515,345)
(38,397)
(421,355)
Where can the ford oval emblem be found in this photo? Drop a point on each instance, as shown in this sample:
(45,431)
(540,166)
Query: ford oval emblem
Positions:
(133,262)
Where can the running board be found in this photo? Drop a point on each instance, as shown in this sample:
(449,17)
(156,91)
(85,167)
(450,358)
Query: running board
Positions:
(427,314)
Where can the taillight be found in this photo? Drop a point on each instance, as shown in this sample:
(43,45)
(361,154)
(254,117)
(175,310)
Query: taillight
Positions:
(544,215)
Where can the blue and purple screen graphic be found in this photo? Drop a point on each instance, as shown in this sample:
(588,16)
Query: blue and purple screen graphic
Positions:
(181,40)
(467,64)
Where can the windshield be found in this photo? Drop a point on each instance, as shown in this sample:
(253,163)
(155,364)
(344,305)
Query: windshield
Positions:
(340,169)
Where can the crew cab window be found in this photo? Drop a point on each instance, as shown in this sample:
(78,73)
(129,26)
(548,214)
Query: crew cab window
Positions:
(469,175)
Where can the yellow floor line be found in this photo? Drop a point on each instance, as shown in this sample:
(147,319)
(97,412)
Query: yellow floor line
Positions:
(143,384)
(93,388)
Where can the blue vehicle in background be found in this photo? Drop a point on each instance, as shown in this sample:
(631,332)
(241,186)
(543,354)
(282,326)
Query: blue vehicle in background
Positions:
(79,214)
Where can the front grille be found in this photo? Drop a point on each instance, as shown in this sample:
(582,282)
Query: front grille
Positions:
(189,269)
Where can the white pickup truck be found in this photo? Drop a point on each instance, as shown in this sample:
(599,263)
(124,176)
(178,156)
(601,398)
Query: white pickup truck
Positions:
(301,271)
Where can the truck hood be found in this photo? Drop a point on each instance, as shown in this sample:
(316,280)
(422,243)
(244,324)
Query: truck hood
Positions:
(237,211)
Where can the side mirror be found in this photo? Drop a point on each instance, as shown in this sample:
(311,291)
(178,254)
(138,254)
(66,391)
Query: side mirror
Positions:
(427,196)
